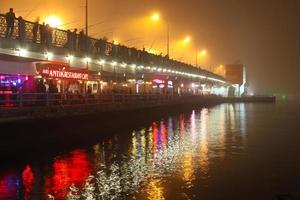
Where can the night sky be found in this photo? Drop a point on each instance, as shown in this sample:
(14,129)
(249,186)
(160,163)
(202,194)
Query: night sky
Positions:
(262,34)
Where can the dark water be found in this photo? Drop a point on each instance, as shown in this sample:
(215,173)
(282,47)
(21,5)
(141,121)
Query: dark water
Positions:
(229,151)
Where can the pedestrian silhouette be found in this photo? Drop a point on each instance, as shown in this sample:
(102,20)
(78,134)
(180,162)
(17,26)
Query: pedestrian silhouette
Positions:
(70,40)
(75,40)
(43,33)
(10,22)
(81,41)
(21,29)
(35,30)
(49,32)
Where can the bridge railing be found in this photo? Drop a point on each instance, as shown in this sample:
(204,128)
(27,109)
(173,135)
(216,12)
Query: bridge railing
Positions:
(59,37)
(15,100)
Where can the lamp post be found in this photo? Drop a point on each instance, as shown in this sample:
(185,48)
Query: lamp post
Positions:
(156,17)
(87,61)
(168,39)
(86,17)
(202,53)
(196,57)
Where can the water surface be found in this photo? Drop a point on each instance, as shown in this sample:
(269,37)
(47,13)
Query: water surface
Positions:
(229,151)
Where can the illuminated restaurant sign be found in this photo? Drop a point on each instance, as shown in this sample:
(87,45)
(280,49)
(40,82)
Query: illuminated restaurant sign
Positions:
(158,81)
(65,74)
(170,84)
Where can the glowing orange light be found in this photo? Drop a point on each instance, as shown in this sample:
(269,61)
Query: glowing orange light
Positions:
(203,52)
(53,21)
(155,17)
(116,42)
(187,39)
(152,51)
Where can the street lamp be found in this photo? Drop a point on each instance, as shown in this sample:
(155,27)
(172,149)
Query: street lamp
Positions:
(201,53)
(156,17)
(48,55)
(86,17)
(187,39)
(54,21)
(22,52)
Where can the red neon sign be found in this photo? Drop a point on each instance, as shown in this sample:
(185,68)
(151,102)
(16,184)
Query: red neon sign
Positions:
(65,74)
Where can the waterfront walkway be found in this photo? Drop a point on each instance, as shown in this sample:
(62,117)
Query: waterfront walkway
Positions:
(54,105)
(31,106)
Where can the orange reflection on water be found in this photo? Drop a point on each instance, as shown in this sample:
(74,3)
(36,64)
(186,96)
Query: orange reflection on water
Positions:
(134,144)
(155,190)
(98,156)
(242,118)
(188,169)
(193,127)
(231,116)
(204,150)
(143,142)
(189,143)
(204,156)
(149,141)
(223,115)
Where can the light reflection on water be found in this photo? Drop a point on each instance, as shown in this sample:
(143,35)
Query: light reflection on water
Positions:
(180,148)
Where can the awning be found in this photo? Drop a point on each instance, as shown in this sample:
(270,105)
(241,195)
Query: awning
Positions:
(17,68)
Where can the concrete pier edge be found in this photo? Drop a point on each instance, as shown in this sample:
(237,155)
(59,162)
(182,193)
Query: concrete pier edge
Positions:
(57,111)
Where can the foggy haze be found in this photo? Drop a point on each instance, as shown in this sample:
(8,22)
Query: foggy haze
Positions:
(262,34)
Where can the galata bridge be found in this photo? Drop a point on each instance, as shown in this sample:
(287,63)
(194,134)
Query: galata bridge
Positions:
(40,65)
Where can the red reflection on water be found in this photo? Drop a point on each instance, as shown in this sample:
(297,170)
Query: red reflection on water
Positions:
(162,131)
(80,169)
(158,135)
(154,135)
(60,180)
(67,171)
(27,178)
